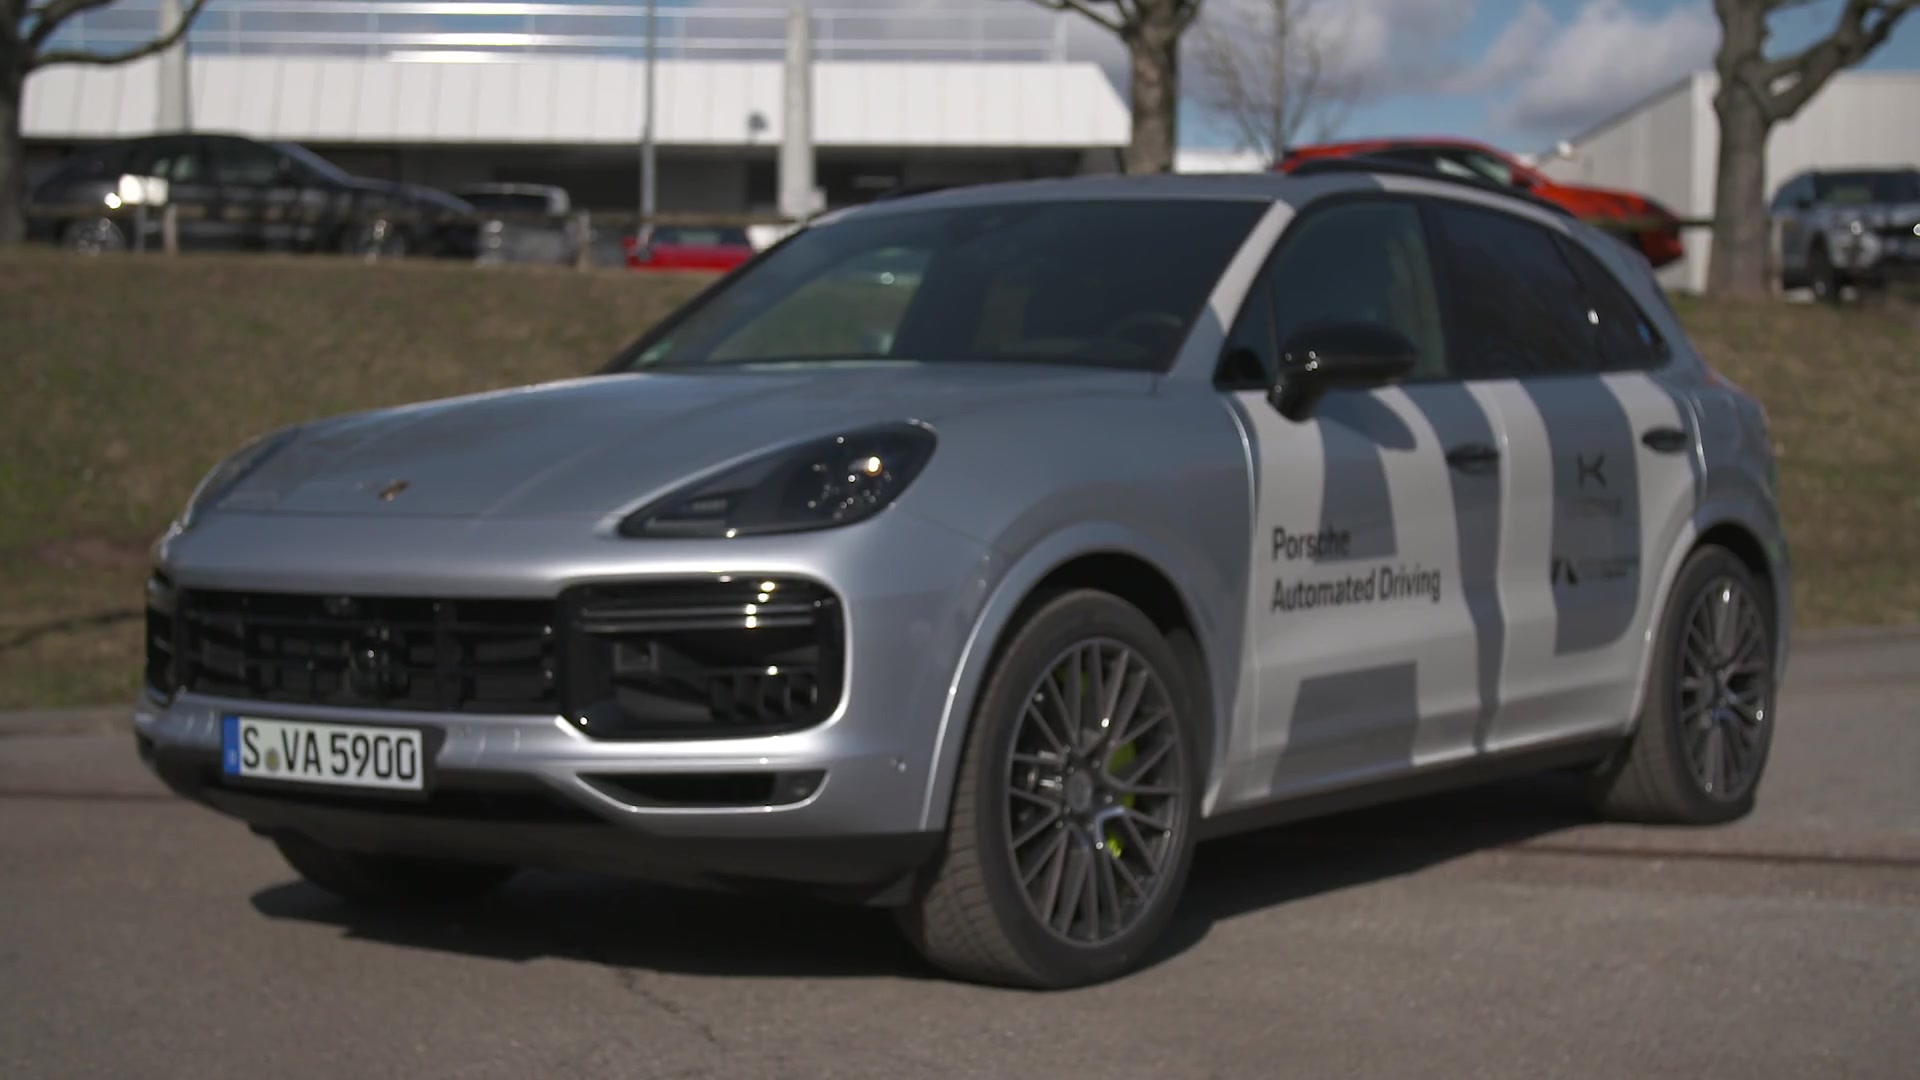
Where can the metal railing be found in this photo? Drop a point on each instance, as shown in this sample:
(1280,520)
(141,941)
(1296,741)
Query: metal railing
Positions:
(497,29)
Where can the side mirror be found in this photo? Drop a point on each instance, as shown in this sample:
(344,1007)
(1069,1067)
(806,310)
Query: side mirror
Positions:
(1337,356)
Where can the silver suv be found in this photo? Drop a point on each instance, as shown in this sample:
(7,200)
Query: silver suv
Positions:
(976,554)
(1859,228)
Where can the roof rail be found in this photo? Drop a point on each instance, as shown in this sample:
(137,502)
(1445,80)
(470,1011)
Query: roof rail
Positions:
(1363,163)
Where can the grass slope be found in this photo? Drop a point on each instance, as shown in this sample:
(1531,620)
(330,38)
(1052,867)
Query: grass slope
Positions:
(123,380)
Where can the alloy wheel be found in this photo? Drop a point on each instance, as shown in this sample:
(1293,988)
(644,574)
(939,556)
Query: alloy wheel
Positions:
(1096,792)
(1725,690)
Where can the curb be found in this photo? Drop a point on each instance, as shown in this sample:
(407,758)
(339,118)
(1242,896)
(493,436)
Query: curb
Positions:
(93,720)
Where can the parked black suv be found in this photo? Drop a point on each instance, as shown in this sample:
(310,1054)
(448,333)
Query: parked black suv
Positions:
(239,194)
(1854,227)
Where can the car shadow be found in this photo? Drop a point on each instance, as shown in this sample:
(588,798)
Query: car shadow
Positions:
(622,924)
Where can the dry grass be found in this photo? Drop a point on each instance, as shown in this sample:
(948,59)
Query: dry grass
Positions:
(1842,390)
(126,379)
(123,380)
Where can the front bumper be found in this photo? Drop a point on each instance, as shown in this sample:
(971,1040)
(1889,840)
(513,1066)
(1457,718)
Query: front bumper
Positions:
(536,790)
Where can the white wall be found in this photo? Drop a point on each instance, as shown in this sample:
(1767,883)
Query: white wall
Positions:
(586,100)
(1667,147)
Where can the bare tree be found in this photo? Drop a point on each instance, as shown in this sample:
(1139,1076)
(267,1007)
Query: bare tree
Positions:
(1151,31)
(27,29)
(1272,69)
(1756,92)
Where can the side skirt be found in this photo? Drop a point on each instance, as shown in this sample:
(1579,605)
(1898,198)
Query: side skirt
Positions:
(1587,750)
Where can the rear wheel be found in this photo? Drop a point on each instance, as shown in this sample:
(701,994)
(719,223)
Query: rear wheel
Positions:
(1701,745)
(97,236)
(1073,815)
(387,879)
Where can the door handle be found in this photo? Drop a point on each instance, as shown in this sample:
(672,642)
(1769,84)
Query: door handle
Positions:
(1665,440)
(1473,457)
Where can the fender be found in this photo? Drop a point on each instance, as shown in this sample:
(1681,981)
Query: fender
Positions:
(1212,625)
(1749,515)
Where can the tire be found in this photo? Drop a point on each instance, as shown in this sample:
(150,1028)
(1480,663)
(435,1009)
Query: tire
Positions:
(387,879)
(377,239)
(973,917)
(94,236)
(1822,277)
(1699,710)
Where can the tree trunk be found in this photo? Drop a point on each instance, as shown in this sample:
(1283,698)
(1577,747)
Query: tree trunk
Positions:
(1742,232)
(1154,48)
(13,165)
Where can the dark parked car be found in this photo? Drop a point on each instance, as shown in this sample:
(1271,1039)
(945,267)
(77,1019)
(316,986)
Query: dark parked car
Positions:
(1860,227)
(240,194)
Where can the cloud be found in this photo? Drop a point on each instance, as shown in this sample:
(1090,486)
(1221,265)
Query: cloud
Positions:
(1564,77)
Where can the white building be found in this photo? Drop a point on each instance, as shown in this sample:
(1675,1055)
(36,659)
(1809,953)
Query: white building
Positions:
(1667,146)
(552,92)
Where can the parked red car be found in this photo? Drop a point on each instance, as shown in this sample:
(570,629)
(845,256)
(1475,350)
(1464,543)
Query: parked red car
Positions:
(683,247)
(1660,244)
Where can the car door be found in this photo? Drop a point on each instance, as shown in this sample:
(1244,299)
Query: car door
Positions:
(1375,570)
(1599,478)
(259,193)
(182,163)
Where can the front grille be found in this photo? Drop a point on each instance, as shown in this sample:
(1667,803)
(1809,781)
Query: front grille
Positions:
(486,656)
(714,657)
(698,659)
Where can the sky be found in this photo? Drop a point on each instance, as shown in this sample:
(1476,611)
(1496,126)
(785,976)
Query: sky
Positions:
(1525,73)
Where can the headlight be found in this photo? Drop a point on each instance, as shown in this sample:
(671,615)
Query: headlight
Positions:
(225,476)
(817,485)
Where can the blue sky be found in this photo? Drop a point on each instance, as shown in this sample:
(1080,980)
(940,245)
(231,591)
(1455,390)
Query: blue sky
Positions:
(1523,73)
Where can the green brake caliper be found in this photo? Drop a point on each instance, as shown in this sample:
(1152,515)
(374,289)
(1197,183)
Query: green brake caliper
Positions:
(1117,761)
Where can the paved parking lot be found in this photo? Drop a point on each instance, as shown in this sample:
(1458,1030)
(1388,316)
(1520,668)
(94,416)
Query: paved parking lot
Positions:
(1493,933)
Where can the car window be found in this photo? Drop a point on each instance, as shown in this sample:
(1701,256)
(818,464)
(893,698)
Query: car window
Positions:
(1517,308)
(175,162)
(245,164)
(1250,358)
(1359,262)
(1854,189)
(1623,336)
(699,237)
(1107,283)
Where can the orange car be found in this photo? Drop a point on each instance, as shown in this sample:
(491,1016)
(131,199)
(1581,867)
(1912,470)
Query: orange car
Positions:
(1659,243)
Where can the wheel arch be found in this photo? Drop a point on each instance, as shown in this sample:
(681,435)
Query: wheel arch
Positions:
(1738,534)
(1110,559)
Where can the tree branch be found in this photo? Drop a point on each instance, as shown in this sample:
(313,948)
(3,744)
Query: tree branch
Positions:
(48,17)
(1084,8)
(158,44)
(1856,35)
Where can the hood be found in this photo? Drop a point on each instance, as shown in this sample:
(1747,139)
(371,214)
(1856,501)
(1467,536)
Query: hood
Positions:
(587,447)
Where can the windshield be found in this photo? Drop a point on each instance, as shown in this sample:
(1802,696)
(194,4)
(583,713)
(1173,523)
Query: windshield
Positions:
(1853,189)
(1110,283)
(312,161)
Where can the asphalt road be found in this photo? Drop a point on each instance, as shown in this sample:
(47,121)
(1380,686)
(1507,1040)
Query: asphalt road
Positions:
(1496,933)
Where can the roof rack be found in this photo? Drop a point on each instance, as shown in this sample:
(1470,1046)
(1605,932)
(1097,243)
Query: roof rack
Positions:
(1364,163)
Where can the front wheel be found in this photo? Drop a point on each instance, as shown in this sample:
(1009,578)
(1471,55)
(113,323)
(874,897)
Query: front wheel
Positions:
(387,879)
(1701,746)
(1073,815)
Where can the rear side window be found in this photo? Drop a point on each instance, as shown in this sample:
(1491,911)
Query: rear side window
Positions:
(1623,336)
(1518,309)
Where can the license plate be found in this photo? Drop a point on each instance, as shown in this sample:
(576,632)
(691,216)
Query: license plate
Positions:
(342,755)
